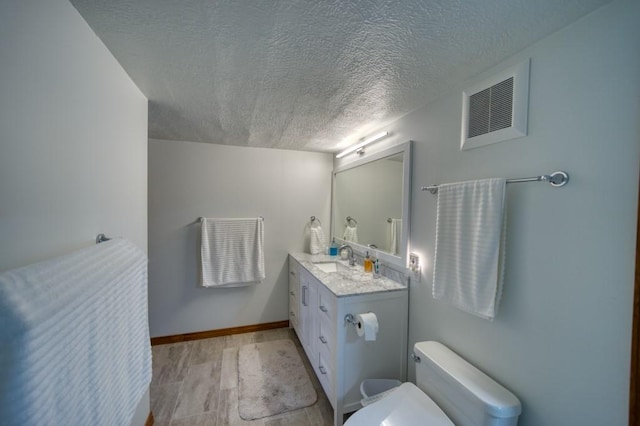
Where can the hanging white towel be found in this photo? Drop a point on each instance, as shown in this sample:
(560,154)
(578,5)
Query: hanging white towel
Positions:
(75,338)
(469,254)
(395,236)
(232,252)
(316,245)
(351,234)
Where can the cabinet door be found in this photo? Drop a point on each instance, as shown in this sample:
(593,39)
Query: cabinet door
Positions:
(304,307)
(308,300)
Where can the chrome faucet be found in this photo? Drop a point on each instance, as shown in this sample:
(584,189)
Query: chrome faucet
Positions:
(352,258)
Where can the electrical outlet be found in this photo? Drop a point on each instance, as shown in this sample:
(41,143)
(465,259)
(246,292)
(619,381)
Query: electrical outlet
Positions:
(414,266)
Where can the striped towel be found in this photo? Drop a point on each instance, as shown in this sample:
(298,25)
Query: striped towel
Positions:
(351,234)
(316,240)
(395,236)
(470,237)
(75,338)
(232,252)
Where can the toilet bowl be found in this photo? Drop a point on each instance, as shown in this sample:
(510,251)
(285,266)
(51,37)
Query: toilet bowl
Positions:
(449,391)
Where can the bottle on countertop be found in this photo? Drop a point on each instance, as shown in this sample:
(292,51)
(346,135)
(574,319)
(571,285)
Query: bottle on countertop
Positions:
(333,248)
(368,263)
(375,264)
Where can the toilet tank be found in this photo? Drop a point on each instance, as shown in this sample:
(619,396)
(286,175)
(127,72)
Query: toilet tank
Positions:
(467,395)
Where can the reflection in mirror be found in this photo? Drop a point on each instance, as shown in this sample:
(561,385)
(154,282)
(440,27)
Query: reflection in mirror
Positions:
(371,201)
(370,196)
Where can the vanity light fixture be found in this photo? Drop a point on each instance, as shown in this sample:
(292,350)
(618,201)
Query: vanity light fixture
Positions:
(359,147)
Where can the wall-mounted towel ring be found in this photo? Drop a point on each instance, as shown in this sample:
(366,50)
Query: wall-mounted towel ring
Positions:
(350,220)
(315,219)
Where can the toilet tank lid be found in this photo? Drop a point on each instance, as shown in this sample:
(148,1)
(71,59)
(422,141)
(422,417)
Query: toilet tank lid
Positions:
(498,400)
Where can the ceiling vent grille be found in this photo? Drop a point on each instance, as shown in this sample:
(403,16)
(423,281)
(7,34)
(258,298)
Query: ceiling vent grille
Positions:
(495,109)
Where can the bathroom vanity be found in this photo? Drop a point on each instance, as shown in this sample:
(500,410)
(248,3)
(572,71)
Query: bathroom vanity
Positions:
(323,291)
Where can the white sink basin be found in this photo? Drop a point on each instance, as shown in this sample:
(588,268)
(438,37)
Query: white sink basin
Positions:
(328,267)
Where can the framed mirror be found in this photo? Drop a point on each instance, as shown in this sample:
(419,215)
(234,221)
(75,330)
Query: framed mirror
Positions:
(371,204)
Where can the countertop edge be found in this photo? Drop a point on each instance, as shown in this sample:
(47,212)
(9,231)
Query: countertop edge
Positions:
(341,286)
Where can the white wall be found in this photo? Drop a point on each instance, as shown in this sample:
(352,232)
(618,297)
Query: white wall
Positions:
(73,137)
(188,180)
(561,340)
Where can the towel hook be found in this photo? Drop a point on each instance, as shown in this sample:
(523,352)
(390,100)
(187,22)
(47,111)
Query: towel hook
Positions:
(101,238)
(350,219)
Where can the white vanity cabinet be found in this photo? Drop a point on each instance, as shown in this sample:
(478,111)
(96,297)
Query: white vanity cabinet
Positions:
(340,358)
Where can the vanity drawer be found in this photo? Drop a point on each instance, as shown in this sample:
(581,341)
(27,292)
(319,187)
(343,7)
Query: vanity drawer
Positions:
(293,291)
(324,371)
(326,342)
(293,307)
(327,304)
(294,270)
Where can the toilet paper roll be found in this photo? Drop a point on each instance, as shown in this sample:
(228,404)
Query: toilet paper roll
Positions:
(367,326)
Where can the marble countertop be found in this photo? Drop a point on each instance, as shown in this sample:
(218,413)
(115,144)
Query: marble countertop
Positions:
(348,280)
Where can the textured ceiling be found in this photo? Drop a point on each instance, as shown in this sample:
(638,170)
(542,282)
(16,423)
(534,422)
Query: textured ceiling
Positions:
(312,75)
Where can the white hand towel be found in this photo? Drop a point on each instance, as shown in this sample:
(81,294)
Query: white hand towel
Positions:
(351,234)
(395,236)
(316,245)
(232,252)
(469,254)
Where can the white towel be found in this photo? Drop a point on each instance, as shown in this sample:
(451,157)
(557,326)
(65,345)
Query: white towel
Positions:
(351,234)
(316,245)
(469,254)
(232,252)
(395,236)
(75,338)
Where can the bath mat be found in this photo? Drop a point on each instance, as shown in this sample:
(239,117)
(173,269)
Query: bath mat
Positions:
(272,380)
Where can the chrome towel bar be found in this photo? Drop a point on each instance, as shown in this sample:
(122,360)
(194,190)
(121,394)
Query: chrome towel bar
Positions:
(557,179)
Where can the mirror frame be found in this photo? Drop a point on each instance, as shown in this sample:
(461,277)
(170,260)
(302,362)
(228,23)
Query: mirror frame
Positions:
(385,257)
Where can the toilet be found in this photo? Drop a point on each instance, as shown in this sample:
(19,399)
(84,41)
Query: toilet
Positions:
(449,392)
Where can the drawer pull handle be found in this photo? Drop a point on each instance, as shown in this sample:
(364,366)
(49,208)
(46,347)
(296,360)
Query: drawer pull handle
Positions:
(292,273)
(293,293)
(293,314)
(322,370)
(323,339)
(323,309)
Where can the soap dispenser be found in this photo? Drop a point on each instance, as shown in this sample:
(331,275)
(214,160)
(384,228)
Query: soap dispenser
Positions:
(368,263)
(333,248)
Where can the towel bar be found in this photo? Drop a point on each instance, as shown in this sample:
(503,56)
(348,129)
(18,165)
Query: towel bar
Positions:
(557,179)
(202,217)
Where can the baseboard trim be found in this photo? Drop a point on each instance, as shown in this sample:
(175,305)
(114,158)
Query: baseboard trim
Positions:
(149,421)
(163,340)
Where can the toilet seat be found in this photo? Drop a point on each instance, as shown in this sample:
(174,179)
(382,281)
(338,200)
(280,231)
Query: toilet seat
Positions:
(407,405)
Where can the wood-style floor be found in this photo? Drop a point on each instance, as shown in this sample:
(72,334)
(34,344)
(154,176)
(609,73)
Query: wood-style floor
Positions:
(196,384)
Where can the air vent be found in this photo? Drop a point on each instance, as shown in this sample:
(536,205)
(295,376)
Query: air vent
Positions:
(495,109)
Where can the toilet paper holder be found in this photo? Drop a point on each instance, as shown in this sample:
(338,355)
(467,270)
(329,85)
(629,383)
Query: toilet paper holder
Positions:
(350,319)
